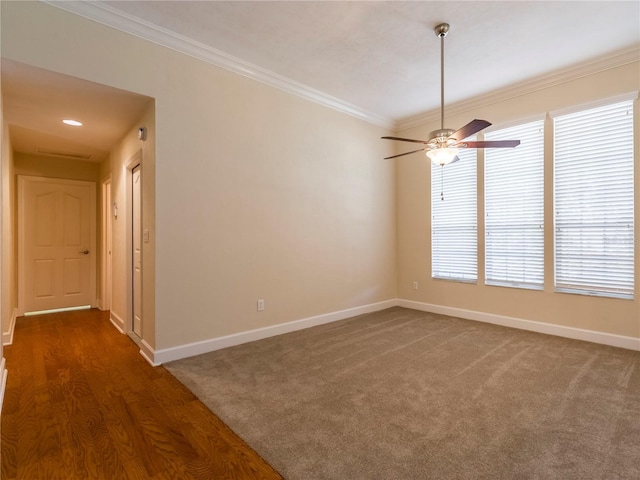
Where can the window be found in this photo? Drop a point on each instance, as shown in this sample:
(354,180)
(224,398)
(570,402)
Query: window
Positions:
(514,208)
(593,181)
(454,238)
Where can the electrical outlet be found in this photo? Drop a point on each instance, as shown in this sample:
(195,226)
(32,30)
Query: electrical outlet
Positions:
(260,305)
(415,285)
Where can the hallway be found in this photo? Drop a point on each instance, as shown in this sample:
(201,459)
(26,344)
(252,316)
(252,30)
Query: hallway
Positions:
(82,403)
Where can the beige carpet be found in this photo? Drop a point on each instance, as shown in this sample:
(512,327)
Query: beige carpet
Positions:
(403,394)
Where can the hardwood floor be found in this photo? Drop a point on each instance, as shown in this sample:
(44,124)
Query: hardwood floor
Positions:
(81,403)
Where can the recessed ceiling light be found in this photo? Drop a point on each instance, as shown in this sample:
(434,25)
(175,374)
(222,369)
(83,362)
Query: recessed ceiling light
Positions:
(73,123)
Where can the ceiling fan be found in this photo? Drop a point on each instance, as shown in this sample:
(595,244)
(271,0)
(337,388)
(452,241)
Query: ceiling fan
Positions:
(442,147)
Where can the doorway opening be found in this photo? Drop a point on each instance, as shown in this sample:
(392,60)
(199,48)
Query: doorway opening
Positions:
(96,152)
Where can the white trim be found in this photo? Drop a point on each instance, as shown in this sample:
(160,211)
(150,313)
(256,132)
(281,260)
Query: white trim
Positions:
(7,337)
(590,67)
(539,117)
(114,18)
(158,357)
(106,214)
(197,348)
(126,213)
(598,103)
(3,382)
(116,321)
(148,353)
(610,339)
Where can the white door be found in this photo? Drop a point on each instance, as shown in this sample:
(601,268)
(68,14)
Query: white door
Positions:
(137,250)
(57,265)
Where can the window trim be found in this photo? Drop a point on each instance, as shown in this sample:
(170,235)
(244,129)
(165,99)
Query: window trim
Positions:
(594,290)
(537,123)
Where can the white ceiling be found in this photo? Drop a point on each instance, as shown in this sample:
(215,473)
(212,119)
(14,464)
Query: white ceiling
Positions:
(380,60)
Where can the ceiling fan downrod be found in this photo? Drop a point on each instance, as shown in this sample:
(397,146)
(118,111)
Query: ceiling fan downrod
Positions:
(441,32)
(439,137)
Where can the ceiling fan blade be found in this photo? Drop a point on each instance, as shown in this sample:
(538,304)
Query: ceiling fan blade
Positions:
(408,153)
(474,126)
(490,144)
(404,140)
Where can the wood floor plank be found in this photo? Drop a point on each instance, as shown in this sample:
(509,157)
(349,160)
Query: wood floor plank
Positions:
(81,402)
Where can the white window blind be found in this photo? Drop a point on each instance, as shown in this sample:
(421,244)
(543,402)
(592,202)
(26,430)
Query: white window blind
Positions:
(593,181)
(514,208)
(454,238)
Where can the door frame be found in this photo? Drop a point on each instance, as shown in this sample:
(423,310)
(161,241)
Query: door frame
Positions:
(22,179)
(134,161)
(136,240)
(107,245)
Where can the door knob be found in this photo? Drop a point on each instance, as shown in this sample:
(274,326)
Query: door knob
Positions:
(84,252)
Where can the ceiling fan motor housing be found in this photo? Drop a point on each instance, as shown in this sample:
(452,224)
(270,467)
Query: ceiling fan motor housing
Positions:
(440,138)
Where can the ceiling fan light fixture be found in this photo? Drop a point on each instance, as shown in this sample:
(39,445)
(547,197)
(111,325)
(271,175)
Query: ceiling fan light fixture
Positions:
(442,156)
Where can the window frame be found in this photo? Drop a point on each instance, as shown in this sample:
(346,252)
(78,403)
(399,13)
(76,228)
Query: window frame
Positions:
(565,222)
(446,225)
(506,196)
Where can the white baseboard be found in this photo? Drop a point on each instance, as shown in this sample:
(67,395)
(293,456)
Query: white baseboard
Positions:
(189,350)
(3,382)
(116,321)
(621,341)
(158,357)
(145,349)
(148,353)
(7,337)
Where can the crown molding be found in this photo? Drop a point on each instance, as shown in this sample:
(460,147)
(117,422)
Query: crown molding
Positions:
(111,17)
(574,72)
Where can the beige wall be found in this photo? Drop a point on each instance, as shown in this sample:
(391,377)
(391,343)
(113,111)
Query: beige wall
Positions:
(41,166)
(273,198)
(414,205)
(258,193)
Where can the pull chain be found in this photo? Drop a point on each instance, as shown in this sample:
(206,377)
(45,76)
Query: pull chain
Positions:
(442,182)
